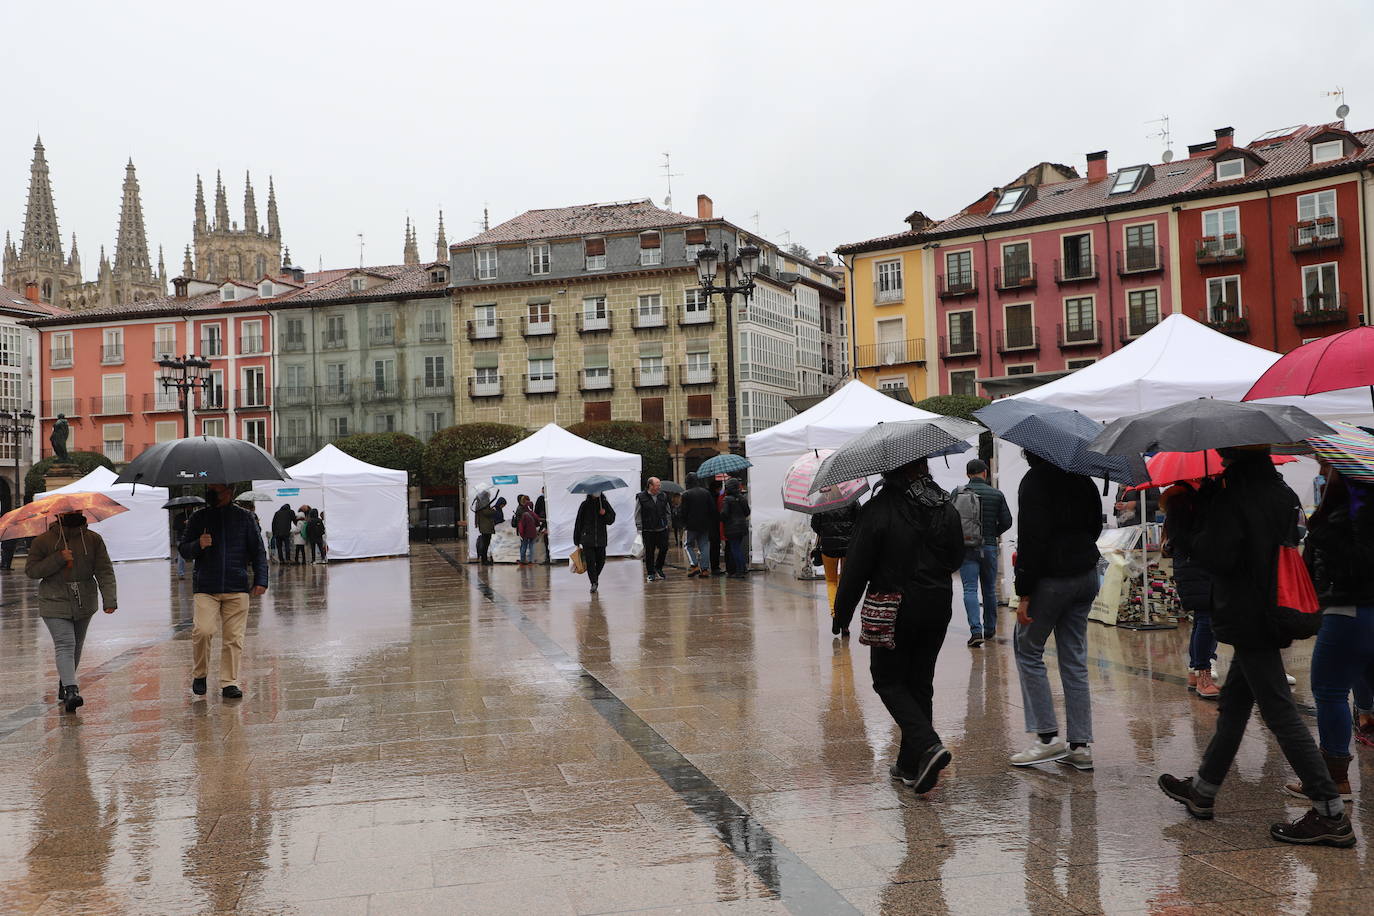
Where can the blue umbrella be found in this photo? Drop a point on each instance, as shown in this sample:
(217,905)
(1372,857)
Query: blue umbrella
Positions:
(597,483)
(723,464)
(1060,436)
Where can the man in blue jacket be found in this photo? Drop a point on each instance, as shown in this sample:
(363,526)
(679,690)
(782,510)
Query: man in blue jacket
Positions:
(224,542)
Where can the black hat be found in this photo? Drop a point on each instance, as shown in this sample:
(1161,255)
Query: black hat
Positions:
(975,466)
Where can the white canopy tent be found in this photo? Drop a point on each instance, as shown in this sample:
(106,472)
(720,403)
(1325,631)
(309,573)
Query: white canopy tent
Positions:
(364,505)
(553,459)
(855,408)
(142,533)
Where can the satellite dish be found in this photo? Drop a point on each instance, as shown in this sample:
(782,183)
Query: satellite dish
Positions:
(1168,156)
(1342,110)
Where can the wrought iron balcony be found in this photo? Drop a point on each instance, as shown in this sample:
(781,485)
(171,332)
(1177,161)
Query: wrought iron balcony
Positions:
(292,343)
(1220,249)
(1226,318)
(484,388)
(1015,276)
(892,353)
(697,430)
(434,387)
(701,315)
(596,379)
(1084,334)
(962,283)
(336,393)
(380,389)
(1140,259)
(539,328)
(61,358)
(302,396)
(485,330)
(432,331)
(111,354)
(294,447)
(1320,308)
(67,407)
(883,293)
(1316,234)
(1076,270)
(335,341)
(698,375)
(211,346)
(1017,339)
(960,347)
(1128,329)
(588,323)
(652,378)
(248,346)
(541,384)
(252,398)
(162,403)
(110,405)
(657,318)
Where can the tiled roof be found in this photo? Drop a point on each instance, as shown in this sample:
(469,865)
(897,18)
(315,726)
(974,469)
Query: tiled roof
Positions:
(404,281)
(587,219)
(10,301)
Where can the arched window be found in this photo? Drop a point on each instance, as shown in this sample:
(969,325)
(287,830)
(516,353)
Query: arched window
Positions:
(46,293)
(261,266)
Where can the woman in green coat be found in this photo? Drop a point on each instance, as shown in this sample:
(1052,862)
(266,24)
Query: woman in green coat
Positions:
(71,562)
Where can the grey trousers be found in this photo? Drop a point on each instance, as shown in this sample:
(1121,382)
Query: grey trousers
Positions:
(68,636)
(1059,607)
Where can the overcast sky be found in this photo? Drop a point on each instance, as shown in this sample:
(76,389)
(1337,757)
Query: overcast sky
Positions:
(830,121)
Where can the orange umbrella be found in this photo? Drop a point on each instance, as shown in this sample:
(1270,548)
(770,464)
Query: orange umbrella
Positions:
(33,519)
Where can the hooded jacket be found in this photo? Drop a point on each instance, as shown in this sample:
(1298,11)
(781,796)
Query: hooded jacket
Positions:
(699,510)
(236,548)
(1340,553)
(91,569)
(734,512)
(282,521)
(835,529)
(589,530)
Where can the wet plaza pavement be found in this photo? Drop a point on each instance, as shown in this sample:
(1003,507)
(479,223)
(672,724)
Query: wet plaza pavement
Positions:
(424,736)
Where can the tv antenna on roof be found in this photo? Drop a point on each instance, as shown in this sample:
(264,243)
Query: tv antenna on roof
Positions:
(1342,109)
(360,249)
(669,174)
(1163,134)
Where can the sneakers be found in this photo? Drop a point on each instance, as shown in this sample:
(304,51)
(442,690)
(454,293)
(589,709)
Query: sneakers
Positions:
(932,762)
(1206,688)
(1313,829)
(1080,758)
(975,641)
(231,693)
(1292,681)
(651,578)
(901,775)
(1041,752)
(198,686)
(1182,791)
(593,588)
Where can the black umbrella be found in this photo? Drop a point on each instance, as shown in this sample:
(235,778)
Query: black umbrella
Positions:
(668,486)
(597,483)
(182,501)
(1195,426)
(1061,436)
(889,446)
(202,460)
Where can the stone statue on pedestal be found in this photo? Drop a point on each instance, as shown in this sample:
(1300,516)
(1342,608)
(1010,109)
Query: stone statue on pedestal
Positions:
(59,438)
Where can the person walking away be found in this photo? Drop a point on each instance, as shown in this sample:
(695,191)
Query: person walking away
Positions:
(699,517)
(1243,521)
(527,525)
(834,529)
(314,536)
(486,516)
(985,517)
(1056,582)
(541,510)
(1340,556)
(717,490)
(71,563)
(231,564)
(907,544)
(178,529)
(297,540)
(594,515)
(651,520)
(734,520)
(1194,587)
(675,517)
(281,533)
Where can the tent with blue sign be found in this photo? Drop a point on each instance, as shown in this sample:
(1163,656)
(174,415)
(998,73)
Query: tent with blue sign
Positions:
(364,505)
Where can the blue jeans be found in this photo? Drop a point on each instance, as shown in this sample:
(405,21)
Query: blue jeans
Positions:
(699,549)
(1202,645)
(738,561)
(980,566)
(1059,606)
(527,550)
(1342,656)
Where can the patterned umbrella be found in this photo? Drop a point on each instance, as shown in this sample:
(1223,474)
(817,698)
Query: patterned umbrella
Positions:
(723,464)
(796,486)
(888,446)
(1060,436)
(1350,450)
(33,519)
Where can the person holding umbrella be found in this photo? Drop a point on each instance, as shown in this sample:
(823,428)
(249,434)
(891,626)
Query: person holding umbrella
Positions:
(594,516)
(282,520)
(699,517)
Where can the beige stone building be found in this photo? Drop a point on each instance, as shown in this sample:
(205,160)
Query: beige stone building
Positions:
(224,250)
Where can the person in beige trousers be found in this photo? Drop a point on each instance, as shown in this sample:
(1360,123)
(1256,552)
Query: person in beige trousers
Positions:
(231,565)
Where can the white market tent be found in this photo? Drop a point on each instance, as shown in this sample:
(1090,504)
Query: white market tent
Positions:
(364,505)
(553,459)
(142,533)
(854,409)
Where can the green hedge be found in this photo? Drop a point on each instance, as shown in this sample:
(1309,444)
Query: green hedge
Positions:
(397,451)
(961,406)
(451,448)
(85,462)
(642,439)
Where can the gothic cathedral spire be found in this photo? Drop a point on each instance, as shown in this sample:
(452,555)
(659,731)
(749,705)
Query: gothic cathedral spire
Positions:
(412,252)
(250,205)
(41,240)
(202,224)
(273,224)
(221,204)
(131,243)
(441,244)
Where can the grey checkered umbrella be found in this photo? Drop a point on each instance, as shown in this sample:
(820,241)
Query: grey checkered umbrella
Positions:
(889,446)
(1062,437)
(1195,426)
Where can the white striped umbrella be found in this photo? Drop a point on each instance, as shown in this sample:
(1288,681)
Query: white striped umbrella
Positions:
(889,446)
(796,486)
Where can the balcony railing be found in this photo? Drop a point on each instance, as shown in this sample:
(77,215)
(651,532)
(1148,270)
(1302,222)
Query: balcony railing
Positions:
(1130,328)
(1320,308)
(1016,339)
(704,315)
(302,396)
(588,323)
(885,293)
(113,449)
(1075,270)
(963,283)
(294,446)
(1220,249)
(699,375)
(652,319)
(541,384)
(212,399)
(434,387)
(543,328)
(1316,234)
(292,343)
(961,346)
(485,330)
(164,349)
(698,430)
(892,353)
(110,405)
(249,346)
(486,388)
(1226,318)
(596,379)
(61,359)
(251,398)
(1084,334)
(382,334)
(383,389)
(162,403)
(1141,259)
(211,346)
(68,407)
(1015,276)
(111,354)
(652,378)
(430,331)
(336,393)
(335,341)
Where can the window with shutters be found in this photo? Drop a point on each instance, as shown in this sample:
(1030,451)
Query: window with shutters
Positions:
(651,410)
(539,259)
(650,250)
(594,251)
(699,406)
(596,411)
(486,263)
(694,240)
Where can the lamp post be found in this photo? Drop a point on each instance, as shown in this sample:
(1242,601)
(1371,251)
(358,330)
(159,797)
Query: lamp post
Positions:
(184,374)
(737,279)
(16,428)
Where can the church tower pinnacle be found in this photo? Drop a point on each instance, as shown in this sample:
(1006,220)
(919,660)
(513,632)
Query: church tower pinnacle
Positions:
(225,250)
(221,205)
(131,242)
(412,252)
(441,244)
(250,205)
(273,223)
(188,268)
(41,239)
(202,224)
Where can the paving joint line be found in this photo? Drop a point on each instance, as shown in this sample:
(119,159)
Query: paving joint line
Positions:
(798,887)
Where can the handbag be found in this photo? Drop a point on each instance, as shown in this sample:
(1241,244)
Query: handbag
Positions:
(878,619)
(575,561)
(1299,612)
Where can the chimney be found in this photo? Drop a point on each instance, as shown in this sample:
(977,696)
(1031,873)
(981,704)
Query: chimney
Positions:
(31,291)
(179,285)
(1226,138)
(1097,166)
(297,275)
(704,207)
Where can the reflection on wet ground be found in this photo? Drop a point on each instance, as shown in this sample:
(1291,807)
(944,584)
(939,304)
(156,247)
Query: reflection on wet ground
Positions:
(426,736)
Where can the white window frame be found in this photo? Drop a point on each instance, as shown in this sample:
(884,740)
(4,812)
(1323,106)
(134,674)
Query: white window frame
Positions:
(212,426)
(112,443)
(338,427)
(213,331)
(1030,257)
(595,315)
(62,342)
(165,340)
(594,261)
(246,436)
(888,281)
(540,258)
(485,263)
(1092,321)
(166,431)
(1225,172)
(492,375)
(1091,254)
(649,311)
(1153,246)
(357,284)
(106,394)
(895,347)
(1009,200)
(1328,151)
(949,379)
(1120,185)
(973,331)
(955,254)
(252,330)
(63,403)
(1219,216)
(1007,367)
(651,257)
(435,371)
(260,373)
(1319,271)
(1238,306)
(1159,303)
(1006,325)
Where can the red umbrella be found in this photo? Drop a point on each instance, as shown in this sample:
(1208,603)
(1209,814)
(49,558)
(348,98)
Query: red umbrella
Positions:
(1171,467)
(1344,360)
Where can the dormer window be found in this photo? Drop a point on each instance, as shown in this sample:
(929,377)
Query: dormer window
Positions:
(1127,180)
(1009,200)
(265,290)
(1328,151)
(357,284)
(1229,169)
(438,275)
(227,294)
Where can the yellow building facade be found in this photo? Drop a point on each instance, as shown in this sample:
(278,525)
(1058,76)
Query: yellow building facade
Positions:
(890,288)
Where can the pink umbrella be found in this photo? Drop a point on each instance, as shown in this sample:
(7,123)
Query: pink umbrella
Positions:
(796,486)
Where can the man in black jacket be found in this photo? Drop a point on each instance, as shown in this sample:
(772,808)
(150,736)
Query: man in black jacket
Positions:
(1242,523)
(282,521)
(589,533)
(1056,582)
(224,542)
(699,517)
(907,541)
(651,518)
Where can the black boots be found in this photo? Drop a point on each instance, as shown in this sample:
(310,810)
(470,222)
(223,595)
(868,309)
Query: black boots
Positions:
(70,699)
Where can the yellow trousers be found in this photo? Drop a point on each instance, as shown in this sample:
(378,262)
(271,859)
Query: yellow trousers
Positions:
(226,614)
(833,566)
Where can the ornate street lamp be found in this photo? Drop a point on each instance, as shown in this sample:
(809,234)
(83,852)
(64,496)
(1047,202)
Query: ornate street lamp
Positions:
(737,279)
(184,374)
(16,428)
